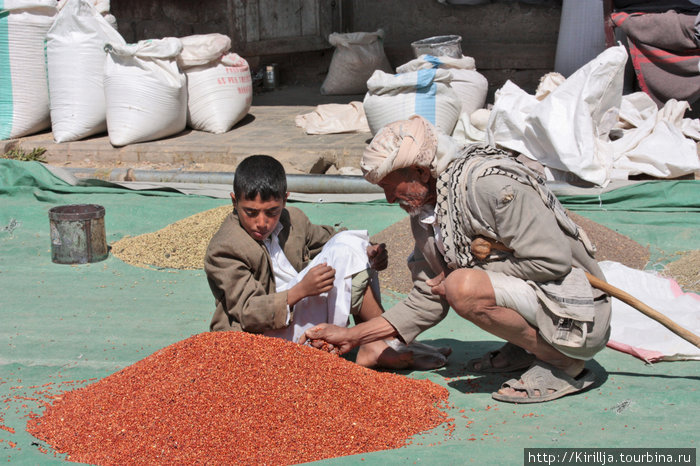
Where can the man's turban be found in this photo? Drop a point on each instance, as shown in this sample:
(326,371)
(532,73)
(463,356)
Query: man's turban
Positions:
(400,144)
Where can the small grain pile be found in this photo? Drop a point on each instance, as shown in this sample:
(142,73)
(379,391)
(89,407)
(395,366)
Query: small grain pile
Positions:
(180,245)
(686,271)
(238,398)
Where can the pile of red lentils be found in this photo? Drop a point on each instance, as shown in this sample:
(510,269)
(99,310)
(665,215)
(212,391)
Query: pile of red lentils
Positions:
(237,398)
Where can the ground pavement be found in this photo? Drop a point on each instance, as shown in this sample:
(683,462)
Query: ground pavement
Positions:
(267,129)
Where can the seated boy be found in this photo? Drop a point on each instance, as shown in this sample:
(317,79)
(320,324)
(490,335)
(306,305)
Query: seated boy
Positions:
(259,270)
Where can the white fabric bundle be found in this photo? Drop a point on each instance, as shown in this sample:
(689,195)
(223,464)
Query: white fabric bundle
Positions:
(470,85)
(648,134)
(568,130)
(334,118)
(145,92)
(219,84)
(424,92)
(24,92)
(75,60)
(357,55)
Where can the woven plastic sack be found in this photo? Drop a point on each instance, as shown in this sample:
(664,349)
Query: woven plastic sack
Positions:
(567,131)
(102,7)
(145,91)
(24,93)
(219,84)
(424,92)
(75,60)
(470,85)
(357,55)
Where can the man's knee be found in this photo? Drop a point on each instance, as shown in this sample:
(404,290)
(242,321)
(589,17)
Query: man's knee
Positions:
(468,292)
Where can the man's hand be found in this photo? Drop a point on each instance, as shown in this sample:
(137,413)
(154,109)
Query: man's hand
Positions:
(437,284)
(378,257)
(319,279)
(336,337)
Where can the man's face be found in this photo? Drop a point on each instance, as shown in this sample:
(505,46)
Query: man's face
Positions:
(259,218)
(409,187)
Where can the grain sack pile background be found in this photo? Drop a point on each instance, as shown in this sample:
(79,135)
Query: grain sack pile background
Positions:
(183,244)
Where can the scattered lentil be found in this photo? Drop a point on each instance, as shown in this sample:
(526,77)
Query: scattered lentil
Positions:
(238,398)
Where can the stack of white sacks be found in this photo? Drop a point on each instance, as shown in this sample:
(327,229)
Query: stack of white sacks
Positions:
(92,80)
(578,129)
(443,90)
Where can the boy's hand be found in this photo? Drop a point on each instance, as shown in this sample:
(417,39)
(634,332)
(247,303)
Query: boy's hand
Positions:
(378,257)
(319,279)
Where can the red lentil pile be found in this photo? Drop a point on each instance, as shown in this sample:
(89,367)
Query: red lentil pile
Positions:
(237,398)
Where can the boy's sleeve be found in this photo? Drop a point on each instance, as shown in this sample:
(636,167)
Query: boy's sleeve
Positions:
(241,300)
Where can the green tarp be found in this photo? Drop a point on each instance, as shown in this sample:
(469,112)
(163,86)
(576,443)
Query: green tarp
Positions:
(65,323)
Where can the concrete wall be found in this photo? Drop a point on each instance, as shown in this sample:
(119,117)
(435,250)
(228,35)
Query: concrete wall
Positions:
(509,39)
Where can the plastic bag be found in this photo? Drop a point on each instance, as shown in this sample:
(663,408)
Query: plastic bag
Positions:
(219,85)
(145,92)
(75,60)
(470,85)
(357,55)
(424,92)
(567,131)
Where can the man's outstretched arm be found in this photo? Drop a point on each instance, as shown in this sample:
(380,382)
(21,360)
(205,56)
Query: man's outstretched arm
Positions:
(344,339)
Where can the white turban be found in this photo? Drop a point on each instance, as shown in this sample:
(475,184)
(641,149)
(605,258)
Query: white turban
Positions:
(407,143)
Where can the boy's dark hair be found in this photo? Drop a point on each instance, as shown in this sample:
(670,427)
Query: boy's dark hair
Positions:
(260,174)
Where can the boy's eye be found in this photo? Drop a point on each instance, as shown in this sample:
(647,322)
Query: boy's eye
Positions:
(251,213)
(272,213)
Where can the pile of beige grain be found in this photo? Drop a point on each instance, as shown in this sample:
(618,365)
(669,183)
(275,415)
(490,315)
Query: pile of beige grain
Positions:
(183,244)
(686,271)
(180,245)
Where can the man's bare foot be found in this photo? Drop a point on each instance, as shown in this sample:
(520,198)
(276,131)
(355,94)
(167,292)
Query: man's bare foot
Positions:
(379,354)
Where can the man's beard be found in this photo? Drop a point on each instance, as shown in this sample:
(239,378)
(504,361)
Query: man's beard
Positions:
(413,211)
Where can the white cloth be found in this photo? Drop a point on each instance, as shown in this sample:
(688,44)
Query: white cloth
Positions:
(641,336)
(346,252)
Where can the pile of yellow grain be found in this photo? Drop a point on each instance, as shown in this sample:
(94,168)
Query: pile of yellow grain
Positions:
(180,245)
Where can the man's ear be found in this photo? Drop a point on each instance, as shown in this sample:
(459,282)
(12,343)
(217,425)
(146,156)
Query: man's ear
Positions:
(233,199)
(286,196)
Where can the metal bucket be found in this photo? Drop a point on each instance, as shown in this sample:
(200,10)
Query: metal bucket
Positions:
(78,234)
(450,46)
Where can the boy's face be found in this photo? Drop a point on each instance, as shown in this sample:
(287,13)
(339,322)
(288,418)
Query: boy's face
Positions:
(259,218)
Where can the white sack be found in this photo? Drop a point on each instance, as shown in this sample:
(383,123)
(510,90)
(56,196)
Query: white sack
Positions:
(634,332)
(75,60)
(145,92)
(470,85)
(649,134)
(357,55)
(24,91)
(334,118)
(219,85)
(471,129)
(424,92)
(202,49)
(102,7)
(568,130)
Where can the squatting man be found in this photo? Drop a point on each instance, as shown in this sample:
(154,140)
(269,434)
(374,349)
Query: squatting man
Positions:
(494,244)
